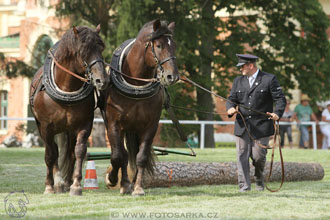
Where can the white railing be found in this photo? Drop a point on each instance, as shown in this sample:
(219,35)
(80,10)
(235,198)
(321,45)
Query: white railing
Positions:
(202,126)
(203,123)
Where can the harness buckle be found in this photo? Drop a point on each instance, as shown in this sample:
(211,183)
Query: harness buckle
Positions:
(88,76)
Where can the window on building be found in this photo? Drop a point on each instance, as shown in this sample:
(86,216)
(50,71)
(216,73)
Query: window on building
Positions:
(3,108)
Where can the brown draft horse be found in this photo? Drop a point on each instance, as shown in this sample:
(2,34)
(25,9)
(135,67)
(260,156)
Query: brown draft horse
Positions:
(66,109)
(134,101)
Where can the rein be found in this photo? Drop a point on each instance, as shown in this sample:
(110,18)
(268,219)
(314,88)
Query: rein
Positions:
(276,127)
(88,68)
(185,79)
(158,64)
(66,70)
(131,77)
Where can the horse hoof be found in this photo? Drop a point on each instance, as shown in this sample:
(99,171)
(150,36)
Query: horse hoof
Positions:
(66,187)
(75,191)
(125,190)
(59,189)
(138,192)
(108,183)
(49,190)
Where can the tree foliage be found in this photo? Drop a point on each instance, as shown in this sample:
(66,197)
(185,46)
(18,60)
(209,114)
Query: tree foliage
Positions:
(289,37)
(92,13)
(15,68)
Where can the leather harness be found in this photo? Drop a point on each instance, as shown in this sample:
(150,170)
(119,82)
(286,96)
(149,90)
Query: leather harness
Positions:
(117,80)
(47,82)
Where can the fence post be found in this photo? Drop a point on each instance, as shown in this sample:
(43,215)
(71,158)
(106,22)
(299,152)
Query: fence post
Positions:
(202,135)
(314,135)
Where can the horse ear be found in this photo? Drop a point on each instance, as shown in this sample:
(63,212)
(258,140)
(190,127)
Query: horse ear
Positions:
(171,27)
(98,28)
(157,24)
(75,31)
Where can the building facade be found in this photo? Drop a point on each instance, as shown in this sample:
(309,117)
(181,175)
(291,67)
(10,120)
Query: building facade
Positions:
(27,29)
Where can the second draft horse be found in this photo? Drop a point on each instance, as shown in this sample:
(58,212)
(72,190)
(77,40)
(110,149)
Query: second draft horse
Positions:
(140,69)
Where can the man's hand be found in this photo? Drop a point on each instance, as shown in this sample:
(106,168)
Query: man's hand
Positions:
(273,116)
(231,111)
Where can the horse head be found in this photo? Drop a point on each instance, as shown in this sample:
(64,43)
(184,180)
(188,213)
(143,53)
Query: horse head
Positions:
(160,51)
(89,47)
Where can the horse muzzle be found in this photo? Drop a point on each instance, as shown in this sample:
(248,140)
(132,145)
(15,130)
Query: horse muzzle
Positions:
(101,84)
(168,79)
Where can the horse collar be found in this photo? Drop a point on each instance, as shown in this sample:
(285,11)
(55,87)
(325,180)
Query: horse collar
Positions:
(121,85)
(58,95)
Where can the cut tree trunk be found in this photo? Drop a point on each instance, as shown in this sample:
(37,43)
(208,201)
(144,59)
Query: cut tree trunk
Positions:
(190,174)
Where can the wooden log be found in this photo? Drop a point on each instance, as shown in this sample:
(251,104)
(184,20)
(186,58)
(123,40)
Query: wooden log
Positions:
(190,174)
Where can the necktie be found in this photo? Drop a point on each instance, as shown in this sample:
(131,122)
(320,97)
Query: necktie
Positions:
(251,79)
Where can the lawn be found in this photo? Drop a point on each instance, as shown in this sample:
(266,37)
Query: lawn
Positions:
(24,169)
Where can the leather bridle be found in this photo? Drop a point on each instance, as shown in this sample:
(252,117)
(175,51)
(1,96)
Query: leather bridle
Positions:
(159,64)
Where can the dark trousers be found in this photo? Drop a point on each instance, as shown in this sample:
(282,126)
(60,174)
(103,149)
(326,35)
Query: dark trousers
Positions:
(246,148)
(288,130)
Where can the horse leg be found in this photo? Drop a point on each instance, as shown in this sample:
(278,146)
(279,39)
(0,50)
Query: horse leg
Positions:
(80,153)
(125,184)
(140,165)
(142,160)
(66,160)
(71,156)
(119,159)
(49,160)
(54,181)
(68,179)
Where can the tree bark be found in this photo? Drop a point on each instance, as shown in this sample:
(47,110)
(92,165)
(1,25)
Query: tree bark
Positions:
(190,174)
(204,100)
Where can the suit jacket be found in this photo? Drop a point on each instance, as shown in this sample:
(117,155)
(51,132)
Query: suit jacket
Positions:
(261,97)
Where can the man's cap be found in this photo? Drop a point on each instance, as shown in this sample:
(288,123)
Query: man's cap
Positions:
(305,98)
(327,103)
(246,58)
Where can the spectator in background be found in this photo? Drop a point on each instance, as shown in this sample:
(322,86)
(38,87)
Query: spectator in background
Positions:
(286,117)
(325,129)
(304,113)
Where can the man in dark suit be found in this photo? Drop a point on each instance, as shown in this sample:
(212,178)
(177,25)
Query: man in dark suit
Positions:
(254,90)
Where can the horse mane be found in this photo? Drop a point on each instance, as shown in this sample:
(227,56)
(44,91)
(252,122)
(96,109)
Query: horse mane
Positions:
(148,34)
(72,46)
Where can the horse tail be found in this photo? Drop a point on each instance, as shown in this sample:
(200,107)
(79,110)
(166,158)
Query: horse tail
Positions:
(65,154)
(132,146)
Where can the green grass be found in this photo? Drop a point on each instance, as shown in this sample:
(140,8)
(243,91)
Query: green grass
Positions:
(24,169)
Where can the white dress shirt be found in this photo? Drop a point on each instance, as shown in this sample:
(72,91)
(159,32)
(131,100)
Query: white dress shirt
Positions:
(253,78)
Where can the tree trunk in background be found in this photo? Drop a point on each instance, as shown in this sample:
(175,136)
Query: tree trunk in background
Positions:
(204,100)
